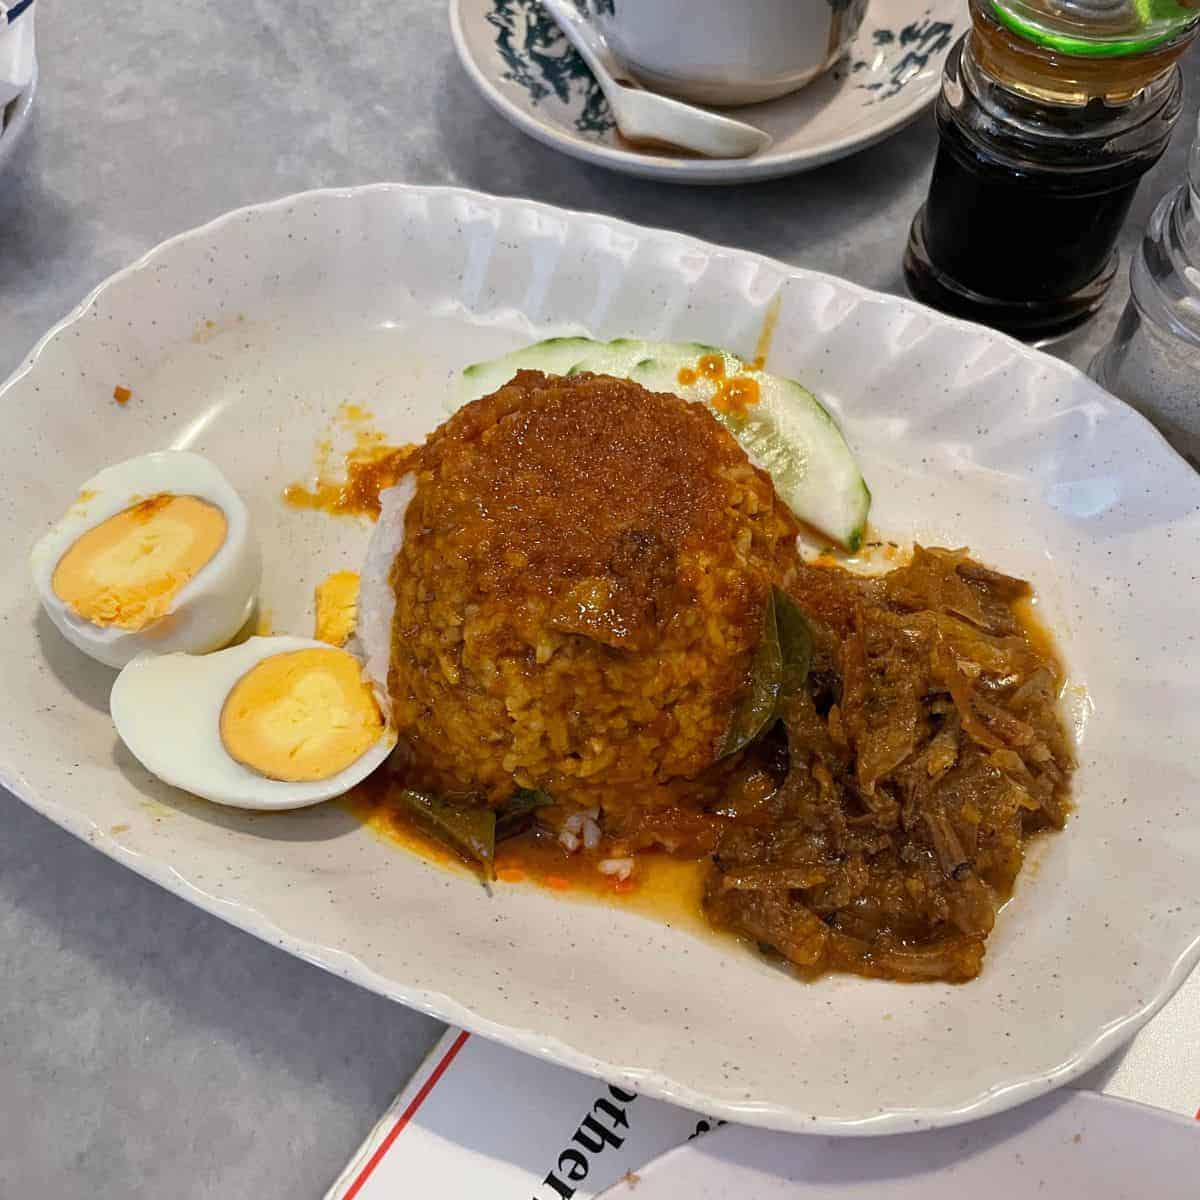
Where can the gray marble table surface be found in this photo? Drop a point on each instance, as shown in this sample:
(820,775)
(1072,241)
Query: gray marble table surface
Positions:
(146,1048)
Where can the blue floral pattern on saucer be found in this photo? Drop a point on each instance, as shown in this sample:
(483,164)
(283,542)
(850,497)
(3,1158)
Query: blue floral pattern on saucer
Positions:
(539,59)
(909,50)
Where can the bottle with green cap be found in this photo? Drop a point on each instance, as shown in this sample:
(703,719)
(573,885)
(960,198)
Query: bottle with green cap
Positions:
(1050,113)
(1096,28)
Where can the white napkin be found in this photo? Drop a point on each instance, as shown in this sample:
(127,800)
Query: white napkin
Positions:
(16,49)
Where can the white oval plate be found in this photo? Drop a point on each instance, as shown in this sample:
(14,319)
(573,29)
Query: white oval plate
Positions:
(1072,1144)
(240,339)
(892,70)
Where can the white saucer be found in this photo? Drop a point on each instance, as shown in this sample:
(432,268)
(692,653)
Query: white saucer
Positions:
(14,117)
(1069,1144)
(528,73)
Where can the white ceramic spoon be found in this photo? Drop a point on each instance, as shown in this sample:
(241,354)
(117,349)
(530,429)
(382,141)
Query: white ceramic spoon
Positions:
(646,117)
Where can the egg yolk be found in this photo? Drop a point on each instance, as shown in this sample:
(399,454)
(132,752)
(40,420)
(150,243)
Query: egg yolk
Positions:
(301,716)
(127,570)
(337,607)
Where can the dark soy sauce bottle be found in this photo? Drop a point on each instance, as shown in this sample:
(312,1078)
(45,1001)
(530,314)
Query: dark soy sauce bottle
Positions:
(1050,114)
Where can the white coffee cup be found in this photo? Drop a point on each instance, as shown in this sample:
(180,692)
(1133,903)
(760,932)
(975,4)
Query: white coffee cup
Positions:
(727,52)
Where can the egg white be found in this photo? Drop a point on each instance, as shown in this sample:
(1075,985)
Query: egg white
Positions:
(208,610)
(167,711)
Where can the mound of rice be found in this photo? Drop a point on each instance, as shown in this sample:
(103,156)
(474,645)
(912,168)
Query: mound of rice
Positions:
(575,576)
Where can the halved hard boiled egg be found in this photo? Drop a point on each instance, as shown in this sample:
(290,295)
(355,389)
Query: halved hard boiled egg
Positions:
(277,722)
(155,555)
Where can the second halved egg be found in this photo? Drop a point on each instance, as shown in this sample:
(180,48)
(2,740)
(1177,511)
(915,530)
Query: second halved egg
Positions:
(275,723)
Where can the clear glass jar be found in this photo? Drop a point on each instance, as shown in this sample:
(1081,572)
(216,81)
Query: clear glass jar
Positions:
(1153,359)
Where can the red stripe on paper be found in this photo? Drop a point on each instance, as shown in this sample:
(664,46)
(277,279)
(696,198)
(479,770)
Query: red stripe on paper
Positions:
(406,1116)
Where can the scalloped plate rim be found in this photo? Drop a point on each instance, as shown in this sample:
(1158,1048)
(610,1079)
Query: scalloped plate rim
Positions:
(1091,1051)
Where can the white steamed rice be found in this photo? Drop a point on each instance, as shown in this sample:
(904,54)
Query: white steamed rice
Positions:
(376,600)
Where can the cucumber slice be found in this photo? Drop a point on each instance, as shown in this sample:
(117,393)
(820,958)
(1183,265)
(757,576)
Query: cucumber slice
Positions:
(620,356)
(554,356)
(787,432)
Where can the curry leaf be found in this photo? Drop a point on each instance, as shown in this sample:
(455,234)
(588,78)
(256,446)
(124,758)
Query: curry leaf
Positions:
(469,830)
(778,672)
(795,647)
(756,709)
(515,815)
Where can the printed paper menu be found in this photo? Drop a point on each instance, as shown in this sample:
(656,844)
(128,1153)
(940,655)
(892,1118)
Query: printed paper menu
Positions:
(481,1120)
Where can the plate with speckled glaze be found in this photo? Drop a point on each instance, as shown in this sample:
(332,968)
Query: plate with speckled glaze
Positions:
(1072,1144)
(892,70)
(242,340)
